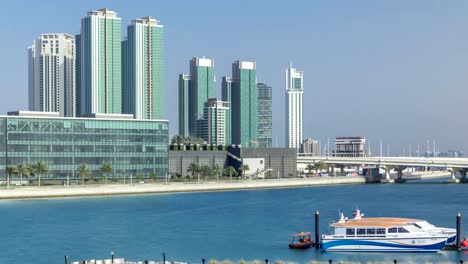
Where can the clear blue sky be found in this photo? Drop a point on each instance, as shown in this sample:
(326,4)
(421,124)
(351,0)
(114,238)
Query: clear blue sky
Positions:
(394,69)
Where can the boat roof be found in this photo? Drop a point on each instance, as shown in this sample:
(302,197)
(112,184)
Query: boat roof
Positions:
(302,234)
(384,222)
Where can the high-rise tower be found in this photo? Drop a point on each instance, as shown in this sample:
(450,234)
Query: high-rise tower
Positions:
(264,124)
(52,83)
(294,92)
(143,73)
(244,104)
(101,73)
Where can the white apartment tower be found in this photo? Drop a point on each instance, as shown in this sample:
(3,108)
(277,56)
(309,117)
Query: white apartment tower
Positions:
(294,118)
(51,73)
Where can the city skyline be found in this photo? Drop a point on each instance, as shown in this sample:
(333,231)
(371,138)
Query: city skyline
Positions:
(404,117)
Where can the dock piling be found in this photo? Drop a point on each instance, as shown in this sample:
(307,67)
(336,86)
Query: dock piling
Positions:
(266,261)
(203,260)
(317,235)
(330,261)
(66,259)
(458,230)
(164,258)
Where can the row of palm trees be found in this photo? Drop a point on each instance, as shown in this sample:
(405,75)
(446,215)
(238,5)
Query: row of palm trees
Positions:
(197,170)
(318,167)
(36,169)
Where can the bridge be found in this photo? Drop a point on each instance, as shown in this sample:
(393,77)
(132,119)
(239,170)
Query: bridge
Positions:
(453,165)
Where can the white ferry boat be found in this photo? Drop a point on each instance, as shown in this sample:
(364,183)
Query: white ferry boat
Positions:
(382,234)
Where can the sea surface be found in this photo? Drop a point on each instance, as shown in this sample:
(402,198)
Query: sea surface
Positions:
(233,225)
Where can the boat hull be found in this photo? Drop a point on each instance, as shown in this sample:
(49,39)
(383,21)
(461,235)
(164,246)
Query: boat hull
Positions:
(385,245)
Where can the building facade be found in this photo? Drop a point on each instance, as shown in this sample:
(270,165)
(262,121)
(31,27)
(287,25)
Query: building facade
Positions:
(100,66)
(214,128)
(310,146)
(184,104)
(350,147)
(294,118)
(52,74)
(130,146)
(244,96)
(143,69)
(265,120)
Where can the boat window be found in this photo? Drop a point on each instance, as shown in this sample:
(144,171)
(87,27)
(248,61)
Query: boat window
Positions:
(402,230)
(392,230)
(371,231)
(416,225)
(361,231)
(380,231)
(350,231)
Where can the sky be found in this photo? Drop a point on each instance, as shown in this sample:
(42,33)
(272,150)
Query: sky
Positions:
(393,70)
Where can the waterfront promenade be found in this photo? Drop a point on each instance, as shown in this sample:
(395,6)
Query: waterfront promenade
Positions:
(173,187)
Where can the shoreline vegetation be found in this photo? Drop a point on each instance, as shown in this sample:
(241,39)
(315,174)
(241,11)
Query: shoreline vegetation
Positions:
(36,192)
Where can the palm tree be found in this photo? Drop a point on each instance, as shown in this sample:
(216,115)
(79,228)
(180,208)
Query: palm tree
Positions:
(217,170)
(319,166)
(10,170)
(40,168)
(230,171)
(194,168)
(310,167)
(106,169)
(243,168)
(206,171)
(84,172)
(23,170)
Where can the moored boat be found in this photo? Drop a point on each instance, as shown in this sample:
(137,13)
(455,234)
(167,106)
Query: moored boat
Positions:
(383,234)
(301,241)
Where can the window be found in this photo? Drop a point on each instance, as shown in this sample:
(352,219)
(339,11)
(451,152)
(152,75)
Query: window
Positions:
(361,231)
(350,231)
(371,231)
(402,230)
(380,231)
(392,230)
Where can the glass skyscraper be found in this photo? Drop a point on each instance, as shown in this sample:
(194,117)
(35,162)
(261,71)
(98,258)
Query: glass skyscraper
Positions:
(101,73)
(244,104)
(52,79)
(143,69)
(129,145)
(264,125)
(201,87)
(184,104)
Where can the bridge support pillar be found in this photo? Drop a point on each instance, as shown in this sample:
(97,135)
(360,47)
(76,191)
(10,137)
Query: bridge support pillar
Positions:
(400,175)
(386,178)
(463,175)
(453,174)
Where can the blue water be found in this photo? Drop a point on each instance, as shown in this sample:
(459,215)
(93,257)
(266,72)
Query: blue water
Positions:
(225,225)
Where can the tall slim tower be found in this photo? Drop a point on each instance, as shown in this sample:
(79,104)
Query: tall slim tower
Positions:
(264,125)
(214,128)
(244,104)
(184,104)
(294,92)
(142,67)
(51,74)
(101,73)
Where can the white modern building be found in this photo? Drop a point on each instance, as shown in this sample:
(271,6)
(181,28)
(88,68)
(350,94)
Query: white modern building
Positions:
(214,127)
(51,74)
(294,118)
(350,147)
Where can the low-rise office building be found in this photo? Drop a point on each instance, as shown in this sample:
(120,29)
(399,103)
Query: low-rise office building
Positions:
(350,147)
(130,146)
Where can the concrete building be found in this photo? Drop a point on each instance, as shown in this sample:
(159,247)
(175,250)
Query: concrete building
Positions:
(143,69)
(265,119)
(244,96)
(180,160)
(184,104)
(201,86)
(350,147)
(309,146)
(130,146)
(100,65)
(294,118)
(51,74)
(215,126)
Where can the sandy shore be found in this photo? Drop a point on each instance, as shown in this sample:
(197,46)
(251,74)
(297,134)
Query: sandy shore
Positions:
(120,189)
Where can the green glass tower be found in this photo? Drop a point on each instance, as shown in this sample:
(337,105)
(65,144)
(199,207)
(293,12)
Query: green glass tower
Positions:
(244,104)
(202,85)
(184,104)
(264,125)
(143,69)
(101,73)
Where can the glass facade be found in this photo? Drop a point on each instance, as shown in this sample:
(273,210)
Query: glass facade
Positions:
(130,146)
(264,125)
